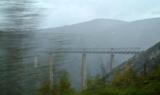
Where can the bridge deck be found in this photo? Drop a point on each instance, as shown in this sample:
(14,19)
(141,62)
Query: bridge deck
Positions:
(96,51)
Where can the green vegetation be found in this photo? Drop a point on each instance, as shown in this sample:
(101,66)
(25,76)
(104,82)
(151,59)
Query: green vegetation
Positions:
(127,82)
(62,87)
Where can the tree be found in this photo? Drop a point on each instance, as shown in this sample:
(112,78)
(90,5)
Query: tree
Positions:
(126,77)
(21,15)
(18,16)
(64,85)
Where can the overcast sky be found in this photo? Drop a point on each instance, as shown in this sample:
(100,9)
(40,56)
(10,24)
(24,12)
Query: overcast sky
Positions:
(65,12)
(62,12)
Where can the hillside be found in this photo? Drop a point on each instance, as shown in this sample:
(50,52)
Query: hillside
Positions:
(138,76)
(148,58)
(100,33)
(144,62)
(96,25)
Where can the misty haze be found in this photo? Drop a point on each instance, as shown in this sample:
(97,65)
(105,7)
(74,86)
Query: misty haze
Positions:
(79,47)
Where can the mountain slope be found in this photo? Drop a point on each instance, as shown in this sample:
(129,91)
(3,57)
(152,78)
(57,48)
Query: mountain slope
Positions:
(144,33)
(100,33)
(96,25)
(146,60)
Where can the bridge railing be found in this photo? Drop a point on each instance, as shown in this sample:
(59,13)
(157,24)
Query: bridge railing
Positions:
(99,50)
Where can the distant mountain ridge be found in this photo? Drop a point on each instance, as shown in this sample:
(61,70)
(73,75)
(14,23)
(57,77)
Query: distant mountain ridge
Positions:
(96,25)
(106,22)
(141,33)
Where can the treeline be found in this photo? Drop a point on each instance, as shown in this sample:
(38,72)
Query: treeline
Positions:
(127,82)
(62,86)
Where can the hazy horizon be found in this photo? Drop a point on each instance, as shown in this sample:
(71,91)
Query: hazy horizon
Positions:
(69,12)
(102,19)
(59,13)
(79,47)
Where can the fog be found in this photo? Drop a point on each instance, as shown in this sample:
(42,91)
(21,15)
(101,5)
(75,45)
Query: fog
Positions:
(65,12)
(31,30)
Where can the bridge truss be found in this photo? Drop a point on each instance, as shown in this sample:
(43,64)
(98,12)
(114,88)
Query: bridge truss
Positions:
(111,51)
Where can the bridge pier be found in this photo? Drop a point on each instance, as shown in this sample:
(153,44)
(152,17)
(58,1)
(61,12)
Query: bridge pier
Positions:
(111,62)
(51,70)
(83,72)
(110,67)
(35,62)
